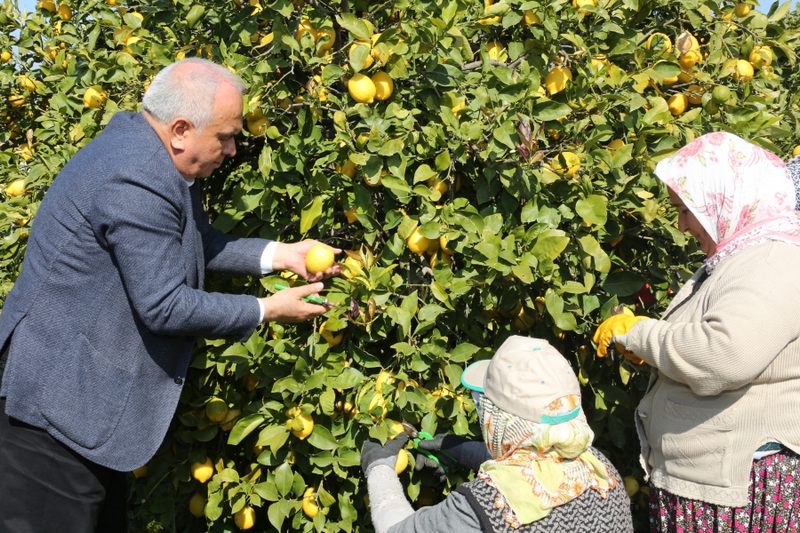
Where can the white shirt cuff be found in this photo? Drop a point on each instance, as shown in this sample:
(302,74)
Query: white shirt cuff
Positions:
(267,256)
(260,310)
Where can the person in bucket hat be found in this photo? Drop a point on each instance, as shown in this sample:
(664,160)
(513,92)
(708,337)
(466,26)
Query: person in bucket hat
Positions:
(538,472)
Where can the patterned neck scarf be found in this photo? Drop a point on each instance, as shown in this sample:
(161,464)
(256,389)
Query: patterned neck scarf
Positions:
(537,467)
(740,193)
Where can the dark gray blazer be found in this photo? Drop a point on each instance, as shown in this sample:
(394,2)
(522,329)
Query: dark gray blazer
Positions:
(103,317)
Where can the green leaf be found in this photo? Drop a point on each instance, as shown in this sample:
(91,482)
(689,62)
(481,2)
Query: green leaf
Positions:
(443,161)
(322,439)
(284,478)
(277,513)
(274,437)
(310,214)
(549,244)
(244,426)
(623,283)
(593,209)
(550,110)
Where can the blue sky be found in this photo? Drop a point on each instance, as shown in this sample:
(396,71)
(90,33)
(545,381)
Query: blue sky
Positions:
(28,5)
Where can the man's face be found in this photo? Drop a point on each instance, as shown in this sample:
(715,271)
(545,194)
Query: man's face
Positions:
(205,149)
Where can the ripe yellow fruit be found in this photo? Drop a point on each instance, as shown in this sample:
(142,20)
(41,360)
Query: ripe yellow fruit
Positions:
(94,97)
(615,145)
(572,166)
(16,100)
(65,12)
(529,18)
(202,472)
(417,242)
(352,267)
(333,338)
(361,88)
(796,151)
(557,79)
(326,38)
(395,428)
(690,59)
(686,41)
(5,56)
(299,424)
(583,3)
(694,93)
(384,377)
(439,185)
(402,462)
(27,83)
(216,409)
(319,258)
(742,9)
(761,56)
(348,168)
(378,401)
(368,59)
(524,321)
(15,188)
(305,28)
(677,104)
(658,41)
(46,5)
(197,505)
(245,518)
(310,507)
(256,122)
(743,71)
(384,86)
(496,51)
(443,246)
(631,485)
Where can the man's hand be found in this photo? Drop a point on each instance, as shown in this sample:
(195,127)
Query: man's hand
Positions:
(372,453)
(292,257)
(451,450)
(614,325)
(288,305)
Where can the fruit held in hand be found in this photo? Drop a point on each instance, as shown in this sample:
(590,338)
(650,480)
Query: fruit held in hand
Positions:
(319,258)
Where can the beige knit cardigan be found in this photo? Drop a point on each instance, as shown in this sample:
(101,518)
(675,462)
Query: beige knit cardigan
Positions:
(726,378)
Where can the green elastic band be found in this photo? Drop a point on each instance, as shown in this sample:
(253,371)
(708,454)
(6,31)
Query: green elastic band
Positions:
(560,419)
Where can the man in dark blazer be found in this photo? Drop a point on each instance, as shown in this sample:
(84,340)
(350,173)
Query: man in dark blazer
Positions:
(98,330)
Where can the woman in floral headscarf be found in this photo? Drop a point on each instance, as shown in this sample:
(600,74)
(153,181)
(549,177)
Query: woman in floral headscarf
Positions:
(718,425)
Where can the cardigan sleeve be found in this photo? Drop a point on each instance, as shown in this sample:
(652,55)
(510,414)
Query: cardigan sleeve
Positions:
(746,317)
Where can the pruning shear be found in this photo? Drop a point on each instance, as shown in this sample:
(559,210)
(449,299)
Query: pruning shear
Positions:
(311,298)
(417,436)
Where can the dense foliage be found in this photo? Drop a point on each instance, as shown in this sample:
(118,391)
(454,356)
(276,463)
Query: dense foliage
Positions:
(499,182)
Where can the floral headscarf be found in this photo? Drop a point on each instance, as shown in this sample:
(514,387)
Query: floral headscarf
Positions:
(537,467)
(740,193)
(793,166)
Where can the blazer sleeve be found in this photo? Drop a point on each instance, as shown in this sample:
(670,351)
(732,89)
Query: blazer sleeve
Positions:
(141,226)
(225,253)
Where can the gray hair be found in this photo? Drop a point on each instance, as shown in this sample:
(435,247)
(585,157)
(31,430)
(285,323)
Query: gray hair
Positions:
(187,89)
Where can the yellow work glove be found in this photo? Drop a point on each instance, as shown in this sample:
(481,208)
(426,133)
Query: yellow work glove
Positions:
(614,325)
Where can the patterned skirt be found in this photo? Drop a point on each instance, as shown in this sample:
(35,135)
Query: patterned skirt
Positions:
(774,503)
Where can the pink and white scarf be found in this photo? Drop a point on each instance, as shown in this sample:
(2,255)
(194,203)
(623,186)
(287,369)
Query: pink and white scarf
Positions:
(740,193)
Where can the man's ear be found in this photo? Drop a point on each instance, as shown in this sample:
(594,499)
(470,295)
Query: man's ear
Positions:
(179,131)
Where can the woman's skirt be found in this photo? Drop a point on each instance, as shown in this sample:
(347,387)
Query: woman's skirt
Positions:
(774,503)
